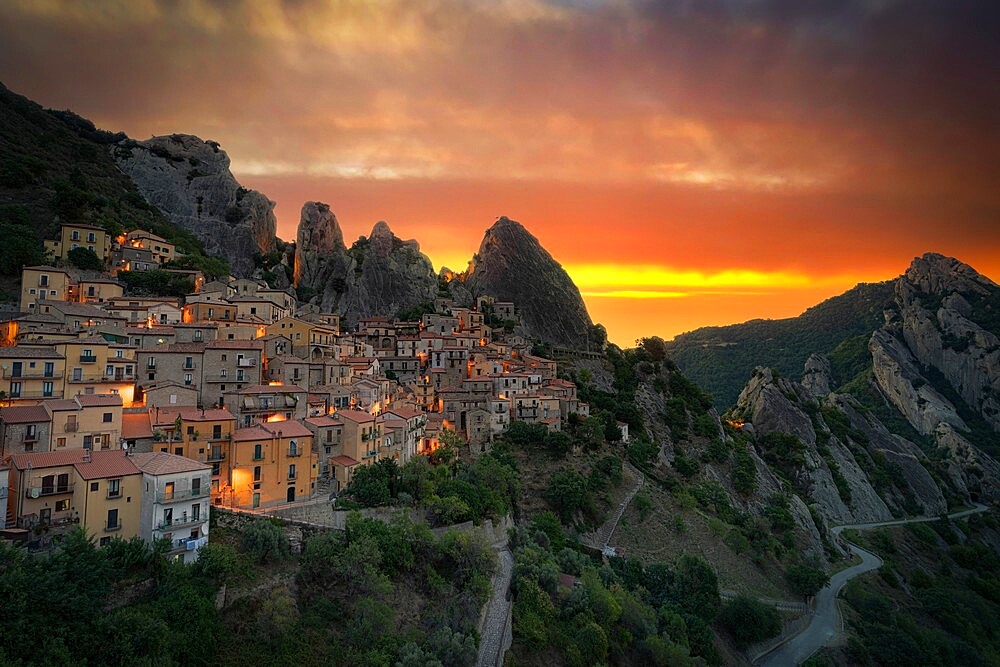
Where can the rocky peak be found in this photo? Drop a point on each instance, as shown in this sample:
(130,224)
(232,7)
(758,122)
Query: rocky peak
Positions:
(933,273)
(189,180)
(318,236)
(513,266)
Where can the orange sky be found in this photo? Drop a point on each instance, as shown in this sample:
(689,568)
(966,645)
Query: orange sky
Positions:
(720,160)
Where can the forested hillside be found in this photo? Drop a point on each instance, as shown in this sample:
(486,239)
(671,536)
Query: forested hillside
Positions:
(721,359)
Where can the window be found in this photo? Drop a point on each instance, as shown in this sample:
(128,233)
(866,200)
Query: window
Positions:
(62,505)
(50,369)
(256,473)
(168,491)
(195,485)
(43,281)
(15,389)
(291,471)
(75,236)
(88,441)
(47,389)
(95,486)
(105,541)
(179,451)
(190,430)
(188,378)
(91,237)
(168,517)
(60,442)
(114,488)
(113,520)
(258,452)
(195,512)
(217,431)
(107,417)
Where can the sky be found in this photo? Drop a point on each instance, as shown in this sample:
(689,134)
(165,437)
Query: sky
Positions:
(690,163)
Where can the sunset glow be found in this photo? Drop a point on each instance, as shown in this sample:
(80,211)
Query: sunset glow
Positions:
(688,163)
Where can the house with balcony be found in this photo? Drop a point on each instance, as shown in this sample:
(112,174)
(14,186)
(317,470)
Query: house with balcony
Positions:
(161,250)
(361,435)
(205,436)
(24,429)
(272,463)
(31,373)
(309,339)
(175,502)
(267,403)
(98,290)
(44,283)
(80,316)
(99,490)
(86,421)
(73,236)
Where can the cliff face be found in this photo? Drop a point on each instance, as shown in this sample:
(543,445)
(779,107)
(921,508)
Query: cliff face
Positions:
(189,180)
(378,275)
(512,265)
(825,469)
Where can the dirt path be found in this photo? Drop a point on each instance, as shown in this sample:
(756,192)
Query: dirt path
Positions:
(601,537)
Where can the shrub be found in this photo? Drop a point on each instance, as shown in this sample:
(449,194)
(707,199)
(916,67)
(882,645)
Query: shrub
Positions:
(567,494)
(806,579)
(264,541)
(749,621)
(85,258)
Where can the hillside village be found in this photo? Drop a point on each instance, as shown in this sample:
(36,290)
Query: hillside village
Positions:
(132,415)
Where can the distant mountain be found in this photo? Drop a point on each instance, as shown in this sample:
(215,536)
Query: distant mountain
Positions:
(721,359)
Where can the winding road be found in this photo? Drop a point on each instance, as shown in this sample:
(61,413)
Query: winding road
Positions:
(825,624)
(496,629)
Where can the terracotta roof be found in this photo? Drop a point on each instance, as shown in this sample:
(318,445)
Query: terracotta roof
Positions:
(110,463)
(20,351)
(355,416)
(47,269)
(136,425)
(323,420)
(235,345)
(251,433)
(24,414)
(271,389)
(162,463)
(99,400)
(345,461)
(290,428)
(405,413)
(60,457)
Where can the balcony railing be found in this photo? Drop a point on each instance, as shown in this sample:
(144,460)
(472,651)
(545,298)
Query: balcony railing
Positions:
(213,457)
(181,494)
(181,521)
(295,451)
(11,375)
(43,491)
(246,363)
(88,359)
(71,427)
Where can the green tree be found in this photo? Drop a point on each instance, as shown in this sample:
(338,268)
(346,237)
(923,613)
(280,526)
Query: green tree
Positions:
(567,493)
(806,579)
(749,621)
(85,258)
(263,541)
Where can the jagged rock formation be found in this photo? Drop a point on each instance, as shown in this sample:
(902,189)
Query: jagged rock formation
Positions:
(379,275)
(936,297)
(899,378)
(777,405)
(817,376)
(512,265)
(188,179)
(382,274)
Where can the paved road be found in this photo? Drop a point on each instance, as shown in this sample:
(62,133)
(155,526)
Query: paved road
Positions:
(494,642)
(825,624)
